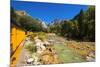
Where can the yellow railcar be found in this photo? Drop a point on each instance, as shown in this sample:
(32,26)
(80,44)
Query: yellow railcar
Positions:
(17,37)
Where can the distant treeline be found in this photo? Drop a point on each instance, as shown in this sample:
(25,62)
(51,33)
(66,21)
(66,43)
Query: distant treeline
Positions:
(81,27)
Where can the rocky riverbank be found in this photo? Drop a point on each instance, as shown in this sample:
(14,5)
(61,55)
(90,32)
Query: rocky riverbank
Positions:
(52,49)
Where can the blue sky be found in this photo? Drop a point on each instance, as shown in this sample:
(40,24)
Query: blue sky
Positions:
(47,12)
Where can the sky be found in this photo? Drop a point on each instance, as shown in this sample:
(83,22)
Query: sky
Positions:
(47,12)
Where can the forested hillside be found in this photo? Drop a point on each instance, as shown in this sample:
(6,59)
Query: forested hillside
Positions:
(26,22)
(81,27)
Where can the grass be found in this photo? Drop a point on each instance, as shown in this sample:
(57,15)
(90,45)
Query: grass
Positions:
(82,48)
(31,48)
(41,35)
(66,55)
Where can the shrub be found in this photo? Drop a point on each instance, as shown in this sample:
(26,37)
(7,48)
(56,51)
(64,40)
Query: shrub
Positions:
(31,48)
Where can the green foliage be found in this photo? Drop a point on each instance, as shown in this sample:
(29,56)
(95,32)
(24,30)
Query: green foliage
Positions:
(30,24)
(41,35)
(31,48)
(13,12)
(26,22)
(81,27)
(65,55)
(55,26)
